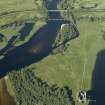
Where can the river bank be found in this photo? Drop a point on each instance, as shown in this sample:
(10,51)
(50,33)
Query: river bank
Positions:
(5,97)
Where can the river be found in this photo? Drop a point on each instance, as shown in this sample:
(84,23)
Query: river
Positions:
(97,91)
(38,47)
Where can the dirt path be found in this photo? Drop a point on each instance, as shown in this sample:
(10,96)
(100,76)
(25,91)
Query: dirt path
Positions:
(5,97)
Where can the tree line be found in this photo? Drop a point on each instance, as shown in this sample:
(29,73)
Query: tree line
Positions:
(31,90)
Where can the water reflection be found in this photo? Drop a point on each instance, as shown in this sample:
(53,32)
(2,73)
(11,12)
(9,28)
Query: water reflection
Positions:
(98,80)
(25,30)
(23,33)
(39,46)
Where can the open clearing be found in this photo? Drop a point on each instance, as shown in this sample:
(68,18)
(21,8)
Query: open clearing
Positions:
(68,69)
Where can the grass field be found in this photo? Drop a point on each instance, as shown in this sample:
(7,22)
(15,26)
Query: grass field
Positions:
(79,3)
(14,13)
(9,10)
(68,69)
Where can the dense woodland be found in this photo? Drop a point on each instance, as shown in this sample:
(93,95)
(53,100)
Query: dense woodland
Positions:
(31,90)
